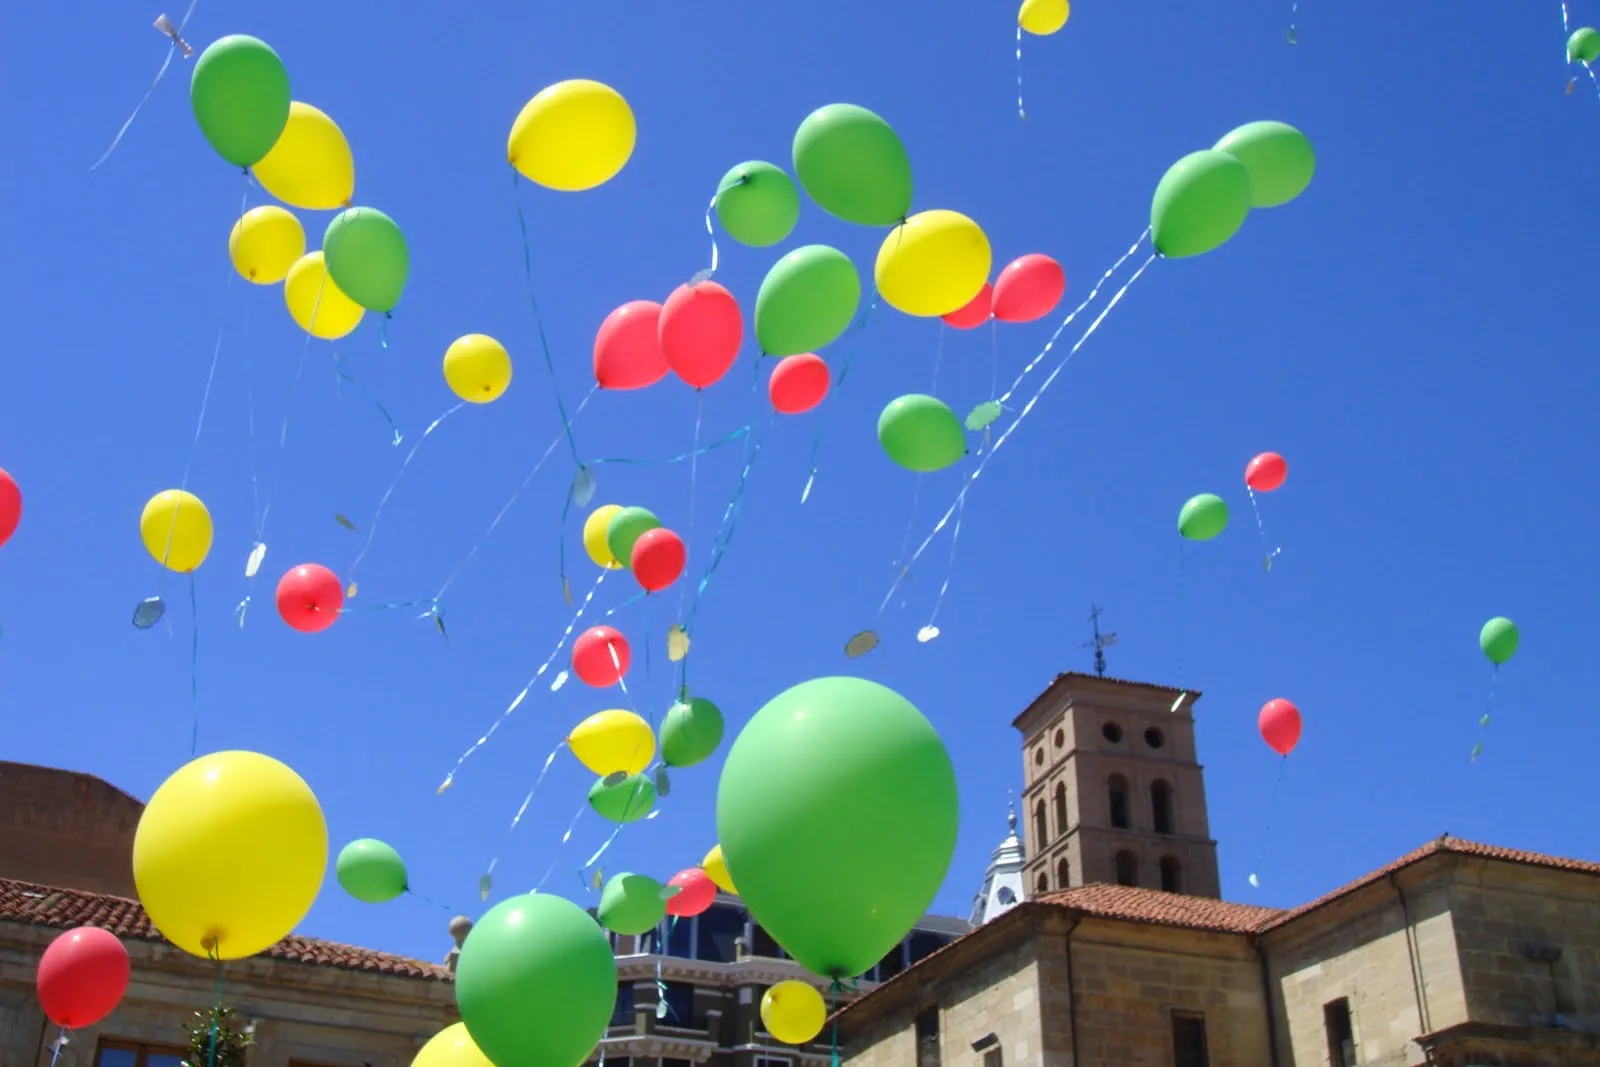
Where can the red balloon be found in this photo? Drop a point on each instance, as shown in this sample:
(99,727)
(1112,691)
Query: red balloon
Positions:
(309,598)
(82,977)
(799,383)
(627,348)
(1266,472)
(658,558)
(976,312)
(1280,725)
(700,331)
(10,506)
(699,893)
(1029,288)
(600,656)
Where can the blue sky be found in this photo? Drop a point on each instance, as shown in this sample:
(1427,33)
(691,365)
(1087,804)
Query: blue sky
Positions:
(1411,334)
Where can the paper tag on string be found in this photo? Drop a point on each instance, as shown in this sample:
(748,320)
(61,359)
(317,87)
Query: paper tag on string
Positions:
(615,778)
(165,25)
(566,590)
(583,487)
(927,633)
(148,612)
(346,523)
(351,590)
(484,885)
(985,413)
(861,644)
(597,879)
(558,681)
(663,782)
(252,562)
(677,643)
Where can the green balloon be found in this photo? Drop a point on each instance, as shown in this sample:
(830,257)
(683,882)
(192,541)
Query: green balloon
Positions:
(371,871)
(691,732)
(1201,202)
(1583,45)
(240,95)
(921,433)
(536,982)
(757,204)
(626,527)
(1499,639)
(627,801)
(853,165)
(806,301)
(367,257)
(631,904)
(1203,517)
(1279,158)
(837,815)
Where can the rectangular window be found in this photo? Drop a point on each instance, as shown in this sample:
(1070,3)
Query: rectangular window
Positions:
(113,1053)
(674,1062)
(1189,1040)
(924,943)
(993,1058)
(680,1007)
(622,1011)
(927,1026)
(773,1061)
(1341,1034)
(719,926)
(763,945)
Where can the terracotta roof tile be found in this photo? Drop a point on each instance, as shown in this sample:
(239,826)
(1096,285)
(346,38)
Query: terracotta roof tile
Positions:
(49,906)
(1167,909)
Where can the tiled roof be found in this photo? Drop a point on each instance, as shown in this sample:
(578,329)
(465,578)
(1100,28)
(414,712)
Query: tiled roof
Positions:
(42,905)
(1166,909)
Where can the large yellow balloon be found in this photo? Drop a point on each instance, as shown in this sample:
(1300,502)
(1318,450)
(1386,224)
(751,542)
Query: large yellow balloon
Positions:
(793,1012)
(933,263)
(229,854)
(572,136)
(611,741)
(310,165)
(451,1047)
(716,869)
(264,244)
(594,536)
(477,368)
(1043,17)
(176,529)
(310,292)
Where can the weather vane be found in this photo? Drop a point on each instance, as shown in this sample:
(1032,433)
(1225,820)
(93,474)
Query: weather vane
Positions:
(1100,643)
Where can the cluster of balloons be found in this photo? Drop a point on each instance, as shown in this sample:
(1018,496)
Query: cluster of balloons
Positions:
(1205,515)
(617,537)
(696,335)
(1204,198)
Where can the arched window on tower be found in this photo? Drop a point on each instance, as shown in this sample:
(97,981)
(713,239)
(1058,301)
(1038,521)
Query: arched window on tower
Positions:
(1042,885)
(1063,873)
(1161,806)
(1127,867)
(1041,833)
(1118,789)
(1171,874)
(1061,807)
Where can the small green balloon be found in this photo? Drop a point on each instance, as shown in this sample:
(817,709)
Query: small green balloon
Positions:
(371,871)
(631,904)
(853,165)
(541,954)
(1201,202)
(367,257)
(691,732)
(757,204)
(240,96)
(921,433)
(626,527)
(806,301)
(1583,45)
(1203,517)
(1499,639)
(1280,160)
(626,801)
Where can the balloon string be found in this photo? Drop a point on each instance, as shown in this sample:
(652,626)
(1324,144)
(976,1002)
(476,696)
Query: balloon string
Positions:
(1293,37)
(172,50)
(429,900)
(343,377)
(61,1042)
(730,518)
(694,463)
(1266,829)
(1021,114)
(930,631)
(250,416)
(694,453)
(538,319)
(1268,555)
(486,882)
(1183,597)
(711,232)
(844,372)
(900,563)
(994,355)
(1483,720)
(566,837)
(216,1008)
(372,527)
(194,669)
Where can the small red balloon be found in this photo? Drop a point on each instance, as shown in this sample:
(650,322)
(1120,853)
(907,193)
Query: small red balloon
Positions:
(627,347)
(309,598)
(82,977)
(1266,472)
(1280,725)
(1029,288)
(600,656)
(658,558)
(700,331)
(975,313)
(698,893)
(10,506)
(799,383)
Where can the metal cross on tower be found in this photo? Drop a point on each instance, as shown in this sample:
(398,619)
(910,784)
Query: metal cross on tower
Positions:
(1100,643)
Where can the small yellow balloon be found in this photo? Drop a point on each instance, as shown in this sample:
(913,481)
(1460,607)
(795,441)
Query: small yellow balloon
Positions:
(793,1012)
(229,854)
(611,741)
(1043,17)
(451,1047)
(317,305)
(933,263)
(477,368)
(176,529)
(310,165)
(265,243)
(594,536)
(572,136)
(716,869)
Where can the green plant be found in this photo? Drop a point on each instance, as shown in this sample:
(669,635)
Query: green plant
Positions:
(233,1036)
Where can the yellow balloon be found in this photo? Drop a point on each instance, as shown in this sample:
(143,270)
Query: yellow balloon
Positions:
(572,136)
(1043,17)
(264,244)
(594,536)
(477,368)
(611,741)
(716,869)
(451,1047)
(310,292)
(176,529)
(793,1012)
(229,854)
(933,263)
(310,165)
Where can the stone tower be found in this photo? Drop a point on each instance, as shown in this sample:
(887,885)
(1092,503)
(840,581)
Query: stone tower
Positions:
(1112,790)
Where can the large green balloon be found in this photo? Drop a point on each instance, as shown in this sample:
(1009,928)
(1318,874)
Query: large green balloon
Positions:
(853,165)
(837,815)
(806,301)
(371,871)
(536,982)
(921,433)
(1499,639)
(1583,45)
(628,801)
(757,204)
(1279,158)
(367,257)
(240,95)
(1201,202)
(631,904)
(626,527)
(691,732)
(1203,517)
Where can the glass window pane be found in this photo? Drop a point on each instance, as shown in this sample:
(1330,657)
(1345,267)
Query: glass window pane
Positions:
(163,1059)
(117,1057)
(622,1013)
(719,927)
(680,938)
